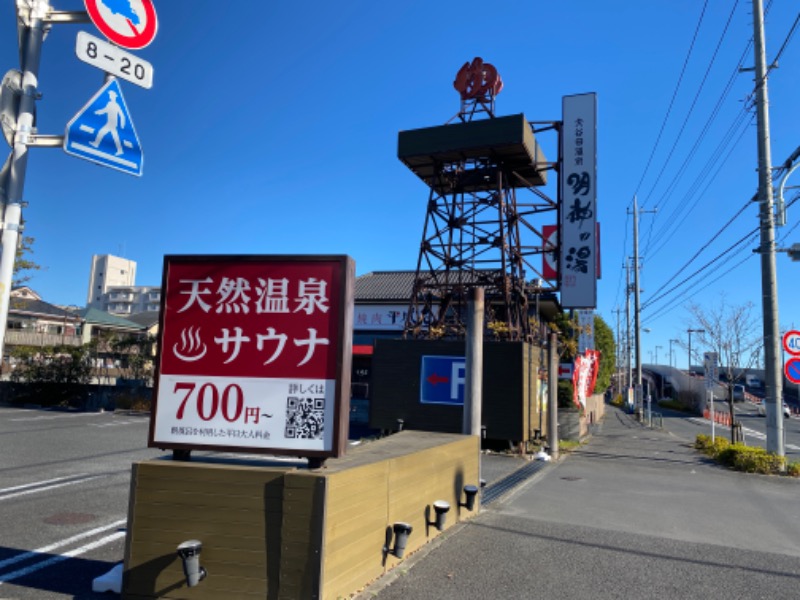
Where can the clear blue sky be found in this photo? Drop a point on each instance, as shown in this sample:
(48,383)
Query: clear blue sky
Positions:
(272,128)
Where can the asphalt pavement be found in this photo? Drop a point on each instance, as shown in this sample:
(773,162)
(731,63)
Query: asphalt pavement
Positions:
(633,513)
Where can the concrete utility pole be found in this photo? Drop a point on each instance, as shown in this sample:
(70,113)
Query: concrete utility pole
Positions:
(552,401)
(628,369)
(474,364)
(769,284)
(636,303)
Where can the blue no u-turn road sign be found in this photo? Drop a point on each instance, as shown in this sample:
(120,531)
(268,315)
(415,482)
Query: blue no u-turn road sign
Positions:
(103,132)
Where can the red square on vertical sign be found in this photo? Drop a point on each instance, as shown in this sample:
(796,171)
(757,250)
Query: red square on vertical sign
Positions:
(254,353)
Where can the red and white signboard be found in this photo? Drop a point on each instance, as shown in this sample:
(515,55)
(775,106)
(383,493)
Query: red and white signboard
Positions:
(131,24)
(550,252)
(254,354)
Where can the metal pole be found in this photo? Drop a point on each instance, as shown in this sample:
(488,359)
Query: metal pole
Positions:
(474,364)
(769,284)
(552,401)
(30,57)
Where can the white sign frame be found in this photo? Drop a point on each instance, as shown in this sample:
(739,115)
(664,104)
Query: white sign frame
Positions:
(578,260)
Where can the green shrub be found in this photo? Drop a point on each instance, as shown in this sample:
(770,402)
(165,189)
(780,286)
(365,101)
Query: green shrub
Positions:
(757,460)
(743,458)
(702,442)
(674,405)
(793,469)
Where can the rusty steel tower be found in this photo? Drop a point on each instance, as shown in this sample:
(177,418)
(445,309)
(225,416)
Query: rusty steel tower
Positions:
(477,232)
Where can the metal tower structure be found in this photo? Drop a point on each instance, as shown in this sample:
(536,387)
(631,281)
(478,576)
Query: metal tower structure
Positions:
(477,233)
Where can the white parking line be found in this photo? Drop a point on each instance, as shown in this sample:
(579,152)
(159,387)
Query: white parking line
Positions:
(61,557)
(65,542)
(51,417)
(39,483)
(35,488)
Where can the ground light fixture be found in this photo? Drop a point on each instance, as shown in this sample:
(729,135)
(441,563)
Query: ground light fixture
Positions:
(401,533)
(470,491)
(440,509)
(189,552)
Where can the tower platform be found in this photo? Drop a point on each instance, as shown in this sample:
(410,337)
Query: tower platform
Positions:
(480,148)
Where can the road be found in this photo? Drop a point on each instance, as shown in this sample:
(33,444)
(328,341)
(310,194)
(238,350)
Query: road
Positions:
(65,483)
(753,426)
(64,487)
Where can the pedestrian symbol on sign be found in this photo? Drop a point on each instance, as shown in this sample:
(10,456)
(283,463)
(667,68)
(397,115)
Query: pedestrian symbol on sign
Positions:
(115,117)
(103,132)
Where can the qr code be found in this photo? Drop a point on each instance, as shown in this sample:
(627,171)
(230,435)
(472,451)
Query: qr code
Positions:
(305,418)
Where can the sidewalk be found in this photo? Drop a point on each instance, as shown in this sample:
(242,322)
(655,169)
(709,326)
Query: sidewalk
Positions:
(635,513)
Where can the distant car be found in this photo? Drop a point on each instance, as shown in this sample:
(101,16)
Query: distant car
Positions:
(738,393)
(762,411)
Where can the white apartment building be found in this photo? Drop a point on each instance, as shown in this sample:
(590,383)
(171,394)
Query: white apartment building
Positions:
(113,289)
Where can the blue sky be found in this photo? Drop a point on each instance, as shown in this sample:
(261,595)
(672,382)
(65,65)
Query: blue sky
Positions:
(271,128)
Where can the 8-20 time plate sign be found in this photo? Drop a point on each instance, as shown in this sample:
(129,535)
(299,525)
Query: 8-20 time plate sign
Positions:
(254,354)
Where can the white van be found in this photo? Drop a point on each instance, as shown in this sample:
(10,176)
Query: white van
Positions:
(753,381)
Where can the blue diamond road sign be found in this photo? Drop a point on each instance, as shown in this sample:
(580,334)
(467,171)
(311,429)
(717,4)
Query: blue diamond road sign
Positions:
(103,132)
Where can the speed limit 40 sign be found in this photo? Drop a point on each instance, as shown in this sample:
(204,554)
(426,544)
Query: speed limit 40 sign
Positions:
(791,342)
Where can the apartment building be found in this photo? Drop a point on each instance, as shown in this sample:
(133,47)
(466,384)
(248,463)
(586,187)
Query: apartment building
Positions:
(113,289)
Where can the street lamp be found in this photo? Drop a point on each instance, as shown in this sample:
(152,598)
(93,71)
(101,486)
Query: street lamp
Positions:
(690,332)
(657,347)
(670,350)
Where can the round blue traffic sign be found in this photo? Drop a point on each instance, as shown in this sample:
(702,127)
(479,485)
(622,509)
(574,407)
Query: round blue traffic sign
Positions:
(792,370)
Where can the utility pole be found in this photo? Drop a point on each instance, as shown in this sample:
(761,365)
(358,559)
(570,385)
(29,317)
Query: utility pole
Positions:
(637,306)
(629,372)
(618,369)
(769,284)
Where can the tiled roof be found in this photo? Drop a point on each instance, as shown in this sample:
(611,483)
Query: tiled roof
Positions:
(384,286)
(94,316)
(145,319)
(38,307)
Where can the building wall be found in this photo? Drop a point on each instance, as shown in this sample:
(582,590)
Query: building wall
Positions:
(510,409)
(108,271)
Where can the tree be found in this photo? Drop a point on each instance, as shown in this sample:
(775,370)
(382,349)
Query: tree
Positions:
(52,364)
(23,264)
(733,332)
(604,342)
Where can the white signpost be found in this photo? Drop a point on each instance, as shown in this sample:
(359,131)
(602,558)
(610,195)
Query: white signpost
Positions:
(113,60)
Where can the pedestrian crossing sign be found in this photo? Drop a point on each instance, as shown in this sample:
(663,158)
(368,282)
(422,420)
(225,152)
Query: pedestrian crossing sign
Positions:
(103,132)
